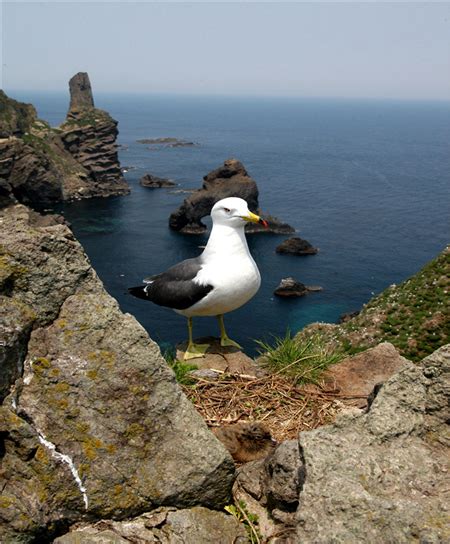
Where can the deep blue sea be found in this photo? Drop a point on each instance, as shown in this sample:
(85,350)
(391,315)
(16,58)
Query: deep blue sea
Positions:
(368,182)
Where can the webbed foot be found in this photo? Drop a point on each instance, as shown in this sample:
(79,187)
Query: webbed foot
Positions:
(195,350)
(227,342)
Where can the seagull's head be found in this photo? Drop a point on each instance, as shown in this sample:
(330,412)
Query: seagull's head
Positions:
(234,212)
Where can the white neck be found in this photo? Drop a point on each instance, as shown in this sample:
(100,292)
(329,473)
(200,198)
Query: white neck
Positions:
(225,240)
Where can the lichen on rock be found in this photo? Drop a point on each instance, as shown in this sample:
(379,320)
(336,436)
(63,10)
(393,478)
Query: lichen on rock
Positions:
(96,427)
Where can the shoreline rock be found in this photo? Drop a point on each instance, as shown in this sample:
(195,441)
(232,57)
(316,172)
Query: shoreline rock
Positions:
(42,165)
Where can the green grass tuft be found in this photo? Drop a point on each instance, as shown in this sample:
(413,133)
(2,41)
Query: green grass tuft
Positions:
(303,361)
(180,368)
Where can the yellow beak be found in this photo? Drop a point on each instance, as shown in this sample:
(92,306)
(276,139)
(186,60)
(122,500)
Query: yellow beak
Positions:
(253,218)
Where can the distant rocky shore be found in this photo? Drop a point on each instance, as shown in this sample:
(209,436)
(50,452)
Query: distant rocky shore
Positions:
(40,164)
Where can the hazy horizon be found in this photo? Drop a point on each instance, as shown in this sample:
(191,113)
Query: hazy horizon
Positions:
(398,51)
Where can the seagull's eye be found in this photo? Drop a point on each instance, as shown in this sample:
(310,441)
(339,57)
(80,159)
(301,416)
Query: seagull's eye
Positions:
(227,210)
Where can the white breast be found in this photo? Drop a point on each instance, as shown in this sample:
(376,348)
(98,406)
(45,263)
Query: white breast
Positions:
(235,281)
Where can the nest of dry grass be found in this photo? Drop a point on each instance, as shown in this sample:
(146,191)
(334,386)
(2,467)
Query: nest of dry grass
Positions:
(284,407)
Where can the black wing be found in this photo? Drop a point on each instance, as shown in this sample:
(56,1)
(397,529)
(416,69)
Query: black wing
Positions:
(174,288)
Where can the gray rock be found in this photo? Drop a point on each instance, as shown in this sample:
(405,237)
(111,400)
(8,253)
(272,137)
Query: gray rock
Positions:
(16,320)
(96,426)
(163,526)
(285,475)
(382,476)
(80,92)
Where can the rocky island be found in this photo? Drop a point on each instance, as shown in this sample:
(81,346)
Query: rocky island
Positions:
(296,246)
(230,179)
(155,182)
(166,142)
(40,164)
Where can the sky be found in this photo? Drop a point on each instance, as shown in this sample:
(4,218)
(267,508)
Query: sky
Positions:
(395,50)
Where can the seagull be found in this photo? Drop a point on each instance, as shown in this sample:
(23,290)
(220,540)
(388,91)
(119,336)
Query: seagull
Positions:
(223,278)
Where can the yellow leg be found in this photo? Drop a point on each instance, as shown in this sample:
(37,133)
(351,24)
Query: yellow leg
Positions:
(194,350)
(224,340)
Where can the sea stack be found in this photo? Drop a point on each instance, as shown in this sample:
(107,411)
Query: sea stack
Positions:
(230,179)
(80,92)
(89,135)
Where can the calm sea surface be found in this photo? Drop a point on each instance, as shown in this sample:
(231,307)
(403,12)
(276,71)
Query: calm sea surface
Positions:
(367,182)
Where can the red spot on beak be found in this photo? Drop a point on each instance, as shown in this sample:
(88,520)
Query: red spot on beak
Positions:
(264,223)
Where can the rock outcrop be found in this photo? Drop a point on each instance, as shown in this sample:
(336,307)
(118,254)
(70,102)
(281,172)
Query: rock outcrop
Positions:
(231,179)
(89,135)
(296,246)
(379,475)
(94,425)
(16,118)
(41,165)
(356,377)
(382,476)
(154,182)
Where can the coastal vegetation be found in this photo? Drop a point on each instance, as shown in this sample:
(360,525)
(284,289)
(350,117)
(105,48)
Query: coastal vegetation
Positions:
(413,316)
(302,361)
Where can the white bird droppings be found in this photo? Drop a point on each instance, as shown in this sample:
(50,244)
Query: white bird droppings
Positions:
(68,461)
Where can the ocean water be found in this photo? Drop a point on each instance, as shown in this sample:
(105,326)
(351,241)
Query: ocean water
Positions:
(368,182)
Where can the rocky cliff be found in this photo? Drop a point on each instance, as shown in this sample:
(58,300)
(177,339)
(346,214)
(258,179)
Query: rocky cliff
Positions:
(90,135)
(231,179)
(40,164)
(92,424)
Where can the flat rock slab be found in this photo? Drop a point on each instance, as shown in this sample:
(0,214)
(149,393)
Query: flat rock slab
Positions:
(358,375)
(163,526)
(225,359)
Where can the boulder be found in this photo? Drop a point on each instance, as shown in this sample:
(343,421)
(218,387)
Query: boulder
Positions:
(296,246)
(163,526)
(231,179)
(154,182)
(96,426)
(356,377)
(382,476)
